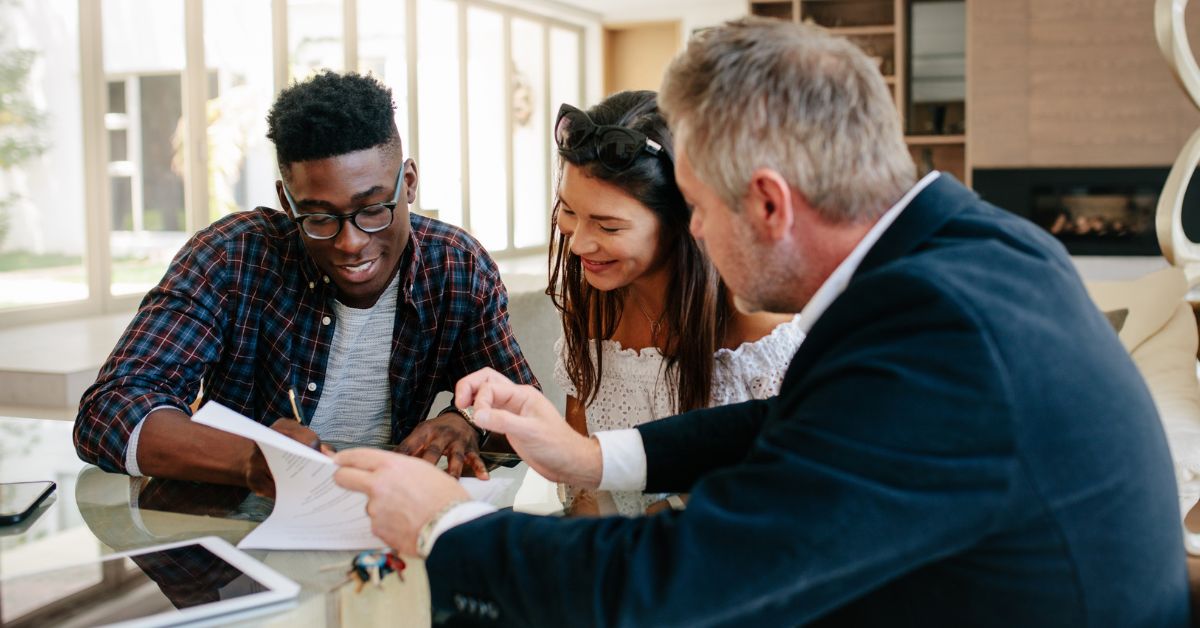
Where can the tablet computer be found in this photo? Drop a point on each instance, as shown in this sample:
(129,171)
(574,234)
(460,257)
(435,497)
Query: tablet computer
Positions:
(202,580)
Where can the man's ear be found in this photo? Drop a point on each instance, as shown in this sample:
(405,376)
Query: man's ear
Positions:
(283,204)
(771,204)
(410,180)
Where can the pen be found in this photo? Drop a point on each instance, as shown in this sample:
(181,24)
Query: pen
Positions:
(295,406)
(300,417)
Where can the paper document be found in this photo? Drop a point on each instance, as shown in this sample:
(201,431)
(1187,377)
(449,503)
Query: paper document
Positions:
(311,512)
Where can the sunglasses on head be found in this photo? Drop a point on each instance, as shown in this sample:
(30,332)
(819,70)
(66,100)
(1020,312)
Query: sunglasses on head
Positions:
(615,147)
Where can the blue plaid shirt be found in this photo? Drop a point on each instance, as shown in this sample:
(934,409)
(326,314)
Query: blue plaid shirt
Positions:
(243,309)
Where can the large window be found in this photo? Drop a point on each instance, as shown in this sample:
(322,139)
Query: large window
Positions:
(43,228)
(143,73)
(125,125)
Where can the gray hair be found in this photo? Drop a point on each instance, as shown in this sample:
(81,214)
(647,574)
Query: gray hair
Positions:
(758,93)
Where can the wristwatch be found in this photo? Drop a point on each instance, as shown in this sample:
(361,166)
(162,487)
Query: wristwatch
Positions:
(425,534)
(465,413)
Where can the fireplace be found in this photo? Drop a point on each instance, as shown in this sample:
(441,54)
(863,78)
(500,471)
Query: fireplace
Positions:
(1093,211)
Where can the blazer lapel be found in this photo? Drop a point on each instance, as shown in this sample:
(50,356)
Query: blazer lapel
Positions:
(925,214)
(940,201)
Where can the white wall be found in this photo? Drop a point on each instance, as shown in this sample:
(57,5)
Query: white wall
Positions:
(692,14)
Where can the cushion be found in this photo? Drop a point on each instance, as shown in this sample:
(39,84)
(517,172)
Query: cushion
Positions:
(1159,331)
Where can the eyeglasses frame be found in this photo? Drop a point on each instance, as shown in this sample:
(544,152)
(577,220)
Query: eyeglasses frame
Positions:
(342,218)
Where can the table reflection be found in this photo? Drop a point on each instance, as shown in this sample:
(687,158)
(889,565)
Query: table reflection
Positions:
(95,513)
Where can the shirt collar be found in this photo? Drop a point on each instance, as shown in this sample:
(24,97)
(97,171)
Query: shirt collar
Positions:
(837,281)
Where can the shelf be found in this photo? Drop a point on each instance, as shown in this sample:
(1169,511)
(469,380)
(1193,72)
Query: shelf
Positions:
(864,31)
(890,80)
(779,10)
(934,140)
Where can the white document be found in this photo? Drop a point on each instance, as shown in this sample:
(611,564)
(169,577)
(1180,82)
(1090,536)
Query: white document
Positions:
(311,512)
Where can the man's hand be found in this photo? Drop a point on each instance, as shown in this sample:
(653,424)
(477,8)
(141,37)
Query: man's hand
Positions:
(255,470)
(447,435)
(535,429)
(403,493)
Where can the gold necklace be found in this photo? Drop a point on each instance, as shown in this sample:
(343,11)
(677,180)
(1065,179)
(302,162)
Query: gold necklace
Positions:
(653,323)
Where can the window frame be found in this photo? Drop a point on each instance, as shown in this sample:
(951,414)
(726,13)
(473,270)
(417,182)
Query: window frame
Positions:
(97,255)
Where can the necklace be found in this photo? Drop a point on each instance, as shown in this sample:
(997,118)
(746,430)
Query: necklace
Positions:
(654,324)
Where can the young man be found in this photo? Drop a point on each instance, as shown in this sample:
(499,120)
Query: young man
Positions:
(960,440)
(364,310)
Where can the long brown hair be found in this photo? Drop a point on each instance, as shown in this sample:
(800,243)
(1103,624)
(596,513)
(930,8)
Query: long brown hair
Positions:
(696,298)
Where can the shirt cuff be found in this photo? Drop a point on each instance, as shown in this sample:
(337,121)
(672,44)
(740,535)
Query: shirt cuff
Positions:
(624,460)
(131,465)
(460,514)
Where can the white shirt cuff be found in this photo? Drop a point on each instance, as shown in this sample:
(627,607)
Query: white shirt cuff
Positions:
(131,465)
(460,514)
(624,457)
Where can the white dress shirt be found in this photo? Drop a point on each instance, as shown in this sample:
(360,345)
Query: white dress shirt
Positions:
(622,451)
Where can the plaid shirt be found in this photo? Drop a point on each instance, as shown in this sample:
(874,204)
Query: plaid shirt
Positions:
(244,310)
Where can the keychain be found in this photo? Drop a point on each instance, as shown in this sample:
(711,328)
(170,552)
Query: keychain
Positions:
(373,567)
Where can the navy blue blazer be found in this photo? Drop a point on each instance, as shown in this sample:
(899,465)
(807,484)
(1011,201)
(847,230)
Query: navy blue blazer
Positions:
(960,440)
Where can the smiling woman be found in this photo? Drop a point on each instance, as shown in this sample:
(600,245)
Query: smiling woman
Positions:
(648,327)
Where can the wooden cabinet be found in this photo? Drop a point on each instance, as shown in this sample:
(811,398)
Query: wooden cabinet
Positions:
(936,132)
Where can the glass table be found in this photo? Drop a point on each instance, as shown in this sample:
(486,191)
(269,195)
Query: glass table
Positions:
(94,513)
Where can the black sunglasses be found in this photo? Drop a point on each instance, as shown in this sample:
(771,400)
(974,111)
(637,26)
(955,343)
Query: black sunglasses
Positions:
(615,147)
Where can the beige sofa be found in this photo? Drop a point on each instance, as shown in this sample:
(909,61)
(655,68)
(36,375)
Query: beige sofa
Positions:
(1157,326)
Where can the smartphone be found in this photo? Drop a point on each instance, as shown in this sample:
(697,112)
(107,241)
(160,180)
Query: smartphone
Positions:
(19,499)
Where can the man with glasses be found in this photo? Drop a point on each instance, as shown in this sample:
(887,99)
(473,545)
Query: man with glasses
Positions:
(345,301)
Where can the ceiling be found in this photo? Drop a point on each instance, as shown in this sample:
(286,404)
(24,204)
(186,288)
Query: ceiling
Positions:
(608,7)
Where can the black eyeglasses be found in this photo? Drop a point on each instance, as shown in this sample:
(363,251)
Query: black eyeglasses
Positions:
(615,147)
(370,219)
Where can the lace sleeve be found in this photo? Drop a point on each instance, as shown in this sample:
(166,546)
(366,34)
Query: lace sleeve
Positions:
(560,368)
(755,370)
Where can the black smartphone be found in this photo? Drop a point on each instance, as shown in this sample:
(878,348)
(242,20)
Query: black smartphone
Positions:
(19,499)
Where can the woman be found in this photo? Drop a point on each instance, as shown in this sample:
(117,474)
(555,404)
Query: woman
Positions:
(649,329)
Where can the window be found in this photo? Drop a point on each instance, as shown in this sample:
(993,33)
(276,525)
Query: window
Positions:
(143,69)
(241,85)
(126,125)
(43,246)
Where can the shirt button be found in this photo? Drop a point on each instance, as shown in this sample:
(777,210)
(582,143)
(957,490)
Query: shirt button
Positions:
(312,284)
(326,278)
(326,320)
(312,386)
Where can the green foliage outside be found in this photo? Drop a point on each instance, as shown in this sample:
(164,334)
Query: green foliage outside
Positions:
(24,260)
(21,122)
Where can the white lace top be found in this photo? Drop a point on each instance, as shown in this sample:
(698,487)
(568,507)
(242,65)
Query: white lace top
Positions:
(633,389)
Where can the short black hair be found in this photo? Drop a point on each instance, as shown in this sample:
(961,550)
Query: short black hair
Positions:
(331,114)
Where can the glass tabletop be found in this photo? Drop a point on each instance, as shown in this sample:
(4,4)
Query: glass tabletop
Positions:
(94,513)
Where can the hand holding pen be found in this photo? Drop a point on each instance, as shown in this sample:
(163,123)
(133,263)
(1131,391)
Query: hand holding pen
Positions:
(296,414)
(257,472)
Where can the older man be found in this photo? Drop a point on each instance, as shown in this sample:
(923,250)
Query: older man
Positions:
(960,440)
